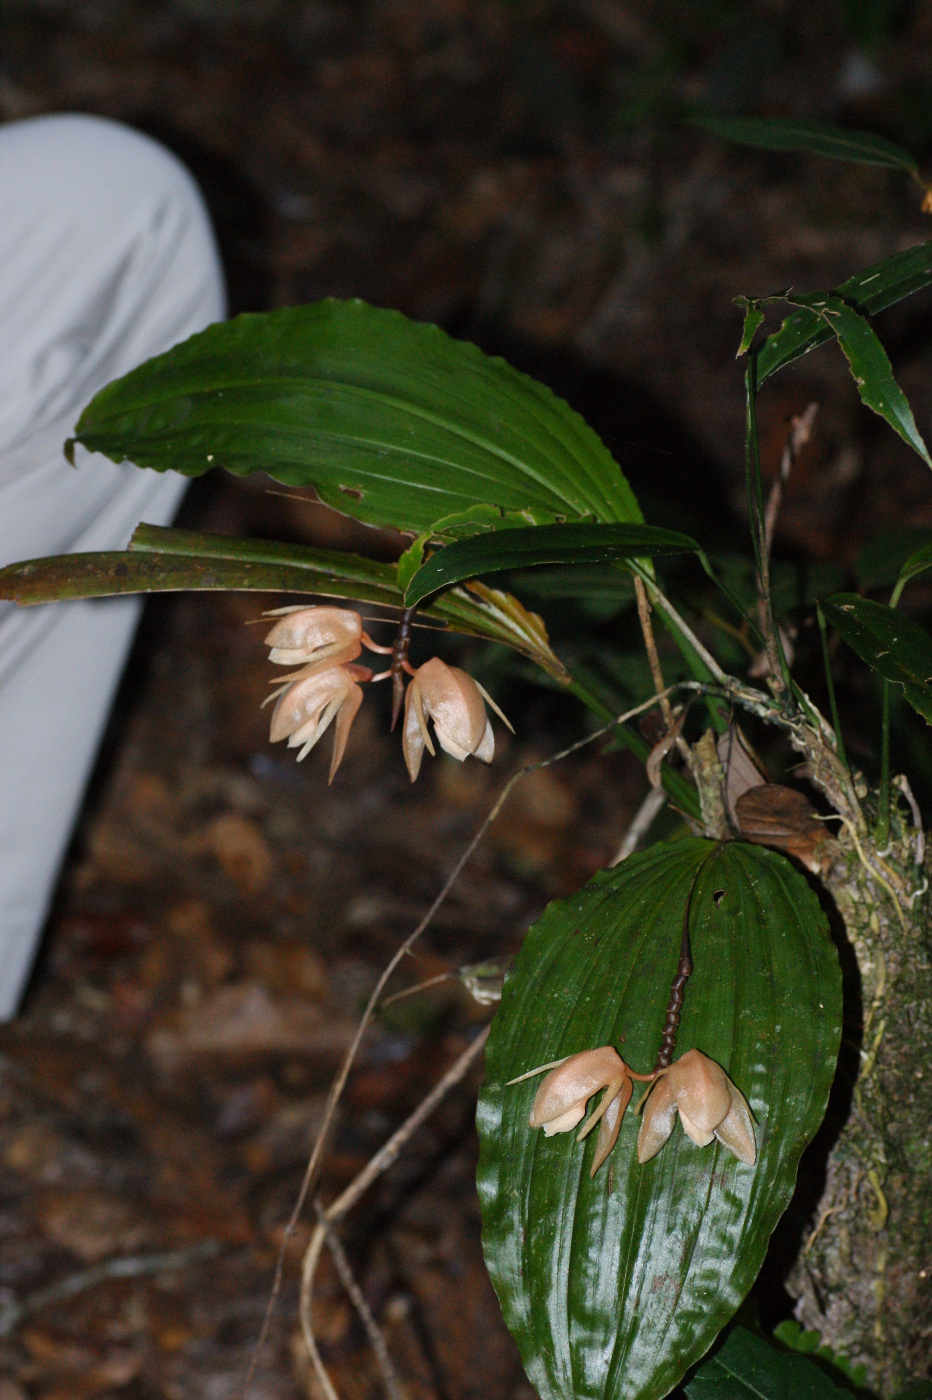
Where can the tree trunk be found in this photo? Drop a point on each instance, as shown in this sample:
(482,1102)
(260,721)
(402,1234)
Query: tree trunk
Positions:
(863,1278)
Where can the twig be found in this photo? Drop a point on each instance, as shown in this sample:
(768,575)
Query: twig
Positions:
(796,439)
(643,820)
(777,666)
(662,603)
(355,1295)
(650,646)
(387,1155)
(342,1075)
(124,1266)
(382,1160)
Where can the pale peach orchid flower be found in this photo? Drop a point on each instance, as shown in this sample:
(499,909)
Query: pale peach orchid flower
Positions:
(455,703)
(306,706)
(708,1104)
(560,1102)
(317,636)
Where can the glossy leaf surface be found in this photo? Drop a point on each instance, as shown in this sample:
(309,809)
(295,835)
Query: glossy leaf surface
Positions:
(748,1368)
(614,1285)
(877,287)
(389,420)
(548,544)
(893,645)
(164,560)
(836,142)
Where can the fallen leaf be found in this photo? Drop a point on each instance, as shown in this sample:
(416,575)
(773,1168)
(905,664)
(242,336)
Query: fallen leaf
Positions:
(91,1224)
(242,1021)
(241,850)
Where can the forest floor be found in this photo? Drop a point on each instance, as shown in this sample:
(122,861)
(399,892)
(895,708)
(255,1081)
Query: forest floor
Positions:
(221,922)
(514,171)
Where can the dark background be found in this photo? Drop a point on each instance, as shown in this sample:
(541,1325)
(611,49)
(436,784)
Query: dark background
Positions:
(519,172)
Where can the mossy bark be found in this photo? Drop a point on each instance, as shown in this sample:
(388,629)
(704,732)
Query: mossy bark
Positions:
(863,1278)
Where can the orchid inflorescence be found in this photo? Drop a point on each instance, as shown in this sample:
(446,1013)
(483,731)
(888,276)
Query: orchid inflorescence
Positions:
(709,1105)
(324,643)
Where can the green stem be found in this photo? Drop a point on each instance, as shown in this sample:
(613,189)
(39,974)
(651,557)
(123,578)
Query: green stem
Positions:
(832,702)
(882,833)
(681,794)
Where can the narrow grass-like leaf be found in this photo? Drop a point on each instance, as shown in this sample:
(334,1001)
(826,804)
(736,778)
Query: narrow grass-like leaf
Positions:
(165,560)
(870,368)
(786,134)
(893,645)
(916,564)
(753,318)
(547,544)
(390,420)
(879,562)
(614,1285)
(748,1368)
(877,287)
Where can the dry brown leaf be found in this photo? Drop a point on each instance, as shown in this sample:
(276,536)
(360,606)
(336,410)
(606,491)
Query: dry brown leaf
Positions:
(241,850)
(743,769)
(91,1224)
(782,817)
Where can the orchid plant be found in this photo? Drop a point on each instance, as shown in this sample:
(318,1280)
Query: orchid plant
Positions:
(709,956)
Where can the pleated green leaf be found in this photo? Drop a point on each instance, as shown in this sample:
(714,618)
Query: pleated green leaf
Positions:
(614,1285)
(748,1368)
(388,419)
(877,287)
(545,544)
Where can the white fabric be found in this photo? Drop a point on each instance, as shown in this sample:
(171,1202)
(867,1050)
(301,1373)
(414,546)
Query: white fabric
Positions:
(106,258)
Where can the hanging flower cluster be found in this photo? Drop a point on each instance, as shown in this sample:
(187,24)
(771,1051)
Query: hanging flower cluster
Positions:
(324,643)
(709,1105)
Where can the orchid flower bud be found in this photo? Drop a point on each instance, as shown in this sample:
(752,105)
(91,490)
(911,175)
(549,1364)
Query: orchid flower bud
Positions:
(316,636)
(306,706)
(560,1102)
(709,1105)
(454,701)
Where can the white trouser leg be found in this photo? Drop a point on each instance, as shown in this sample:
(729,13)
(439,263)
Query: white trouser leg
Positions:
(106,258)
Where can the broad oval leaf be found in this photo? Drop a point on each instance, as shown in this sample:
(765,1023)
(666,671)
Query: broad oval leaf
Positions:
(893,645)
(748,1368)
(614,1285)
(546,544)
(388,419)
(877,287)
(786,134)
